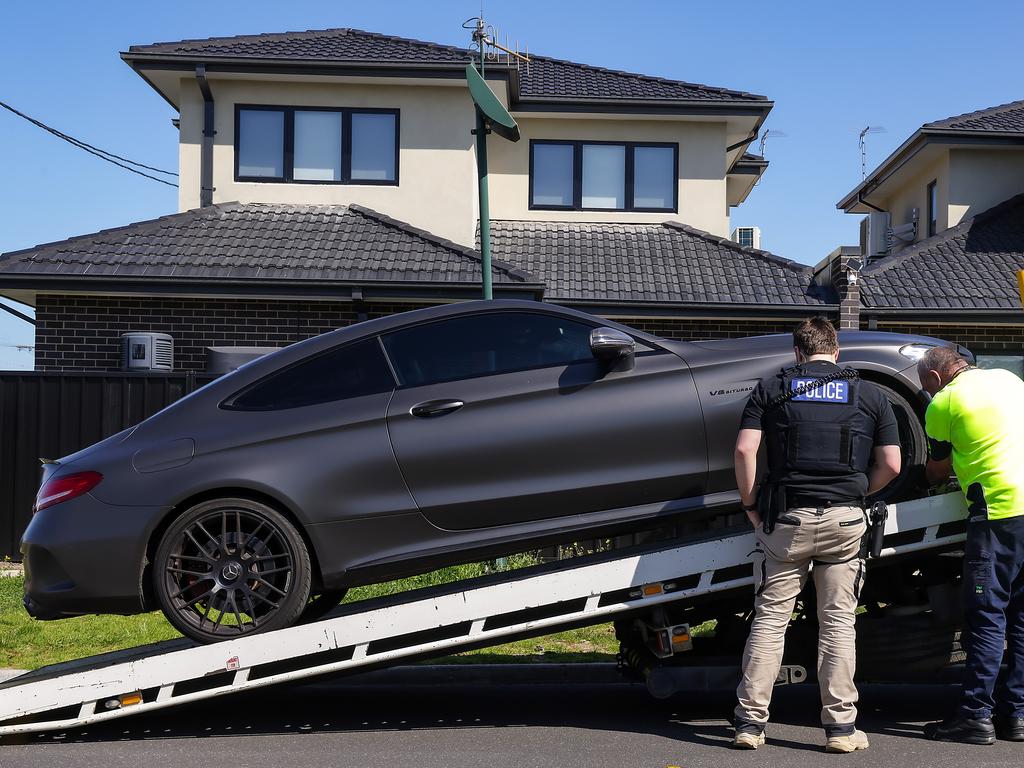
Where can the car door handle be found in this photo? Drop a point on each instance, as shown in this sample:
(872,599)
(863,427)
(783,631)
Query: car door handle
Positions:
(430,408)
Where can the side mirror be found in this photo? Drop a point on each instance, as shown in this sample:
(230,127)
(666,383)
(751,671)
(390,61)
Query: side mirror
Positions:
(613,347)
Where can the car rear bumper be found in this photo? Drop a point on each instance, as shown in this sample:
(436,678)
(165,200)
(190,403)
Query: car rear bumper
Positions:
(86,556)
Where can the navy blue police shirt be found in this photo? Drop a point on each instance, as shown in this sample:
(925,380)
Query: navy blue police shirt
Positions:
(851,486)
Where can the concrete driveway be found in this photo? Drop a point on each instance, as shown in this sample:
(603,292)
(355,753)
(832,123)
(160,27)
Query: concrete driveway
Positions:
(444,718)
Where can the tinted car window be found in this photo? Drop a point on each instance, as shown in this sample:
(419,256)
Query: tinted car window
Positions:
(479,345)
(349,371)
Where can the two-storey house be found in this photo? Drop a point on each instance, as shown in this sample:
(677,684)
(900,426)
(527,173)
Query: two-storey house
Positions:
(944,234)
(329,176)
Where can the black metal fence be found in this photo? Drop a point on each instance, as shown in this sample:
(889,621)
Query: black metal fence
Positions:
(49,415)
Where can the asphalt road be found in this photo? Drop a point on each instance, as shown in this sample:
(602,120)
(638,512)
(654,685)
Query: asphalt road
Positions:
(519,719)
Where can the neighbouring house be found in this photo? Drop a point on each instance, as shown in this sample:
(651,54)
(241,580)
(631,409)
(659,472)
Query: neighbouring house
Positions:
(943,239)
(329,176)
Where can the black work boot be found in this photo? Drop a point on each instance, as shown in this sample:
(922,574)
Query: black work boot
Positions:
(1009,728)
(965,730)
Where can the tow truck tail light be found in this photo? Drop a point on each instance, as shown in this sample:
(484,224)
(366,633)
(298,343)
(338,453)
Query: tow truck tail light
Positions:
(65,487)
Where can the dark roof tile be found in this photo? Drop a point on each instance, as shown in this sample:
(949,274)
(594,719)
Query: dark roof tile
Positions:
(1005,118)
(544,78)
(266,242)
(970,266)
(651,263)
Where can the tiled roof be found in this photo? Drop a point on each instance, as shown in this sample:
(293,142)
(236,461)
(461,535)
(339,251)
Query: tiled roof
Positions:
(545,78)
(971,266)
(650,263)
(348,244)
(1006,118)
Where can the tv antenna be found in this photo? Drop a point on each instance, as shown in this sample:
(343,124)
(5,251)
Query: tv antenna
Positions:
(771,133)
(485,43)
(863,144)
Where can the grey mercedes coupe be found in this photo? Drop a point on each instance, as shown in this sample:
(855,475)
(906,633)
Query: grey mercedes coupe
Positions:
(395,446)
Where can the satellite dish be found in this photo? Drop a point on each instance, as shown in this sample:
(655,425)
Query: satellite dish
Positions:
(497,117)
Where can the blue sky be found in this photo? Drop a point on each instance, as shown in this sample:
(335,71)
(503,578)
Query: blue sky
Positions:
(831,68)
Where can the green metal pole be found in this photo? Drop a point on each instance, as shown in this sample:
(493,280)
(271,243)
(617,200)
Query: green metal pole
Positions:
(485,214)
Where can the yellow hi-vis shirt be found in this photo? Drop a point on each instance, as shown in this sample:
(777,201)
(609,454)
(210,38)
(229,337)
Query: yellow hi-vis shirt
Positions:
(979,419)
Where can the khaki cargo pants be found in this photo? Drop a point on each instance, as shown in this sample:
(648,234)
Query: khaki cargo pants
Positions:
(826,543)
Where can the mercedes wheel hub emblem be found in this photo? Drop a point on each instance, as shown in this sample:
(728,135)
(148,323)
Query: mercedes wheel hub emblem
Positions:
(231,571)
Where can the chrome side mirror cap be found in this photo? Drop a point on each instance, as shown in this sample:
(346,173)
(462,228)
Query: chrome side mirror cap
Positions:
(613,347)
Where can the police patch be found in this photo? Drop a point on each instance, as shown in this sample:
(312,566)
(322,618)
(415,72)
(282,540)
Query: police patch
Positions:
(830,392)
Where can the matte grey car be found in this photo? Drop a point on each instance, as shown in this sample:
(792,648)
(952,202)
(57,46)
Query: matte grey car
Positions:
(398,445)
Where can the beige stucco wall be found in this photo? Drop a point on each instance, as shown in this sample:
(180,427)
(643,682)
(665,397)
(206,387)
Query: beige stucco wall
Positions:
(981,178)
(702,178)
(913,193)
(436,190)
(437,171)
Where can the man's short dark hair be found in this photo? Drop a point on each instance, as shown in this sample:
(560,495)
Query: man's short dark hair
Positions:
(816,336)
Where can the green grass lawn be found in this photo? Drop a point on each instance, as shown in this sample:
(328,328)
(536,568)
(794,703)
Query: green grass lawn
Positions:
(26,643)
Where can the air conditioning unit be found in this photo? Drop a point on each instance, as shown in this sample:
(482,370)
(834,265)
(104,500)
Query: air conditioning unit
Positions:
(878,234)
(748,237)
(144,351)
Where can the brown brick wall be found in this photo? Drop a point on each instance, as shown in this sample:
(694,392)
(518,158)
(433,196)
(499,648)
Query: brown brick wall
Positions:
(84,332)
(978,338)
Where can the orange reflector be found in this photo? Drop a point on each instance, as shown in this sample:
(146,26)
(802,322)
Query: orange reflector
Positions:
(678,639)
(131,698)
(652,589)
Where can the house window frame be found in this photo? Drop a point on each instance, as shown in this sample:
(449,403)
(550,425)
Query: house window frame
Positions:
(288,164)
(931,197)
(577,176)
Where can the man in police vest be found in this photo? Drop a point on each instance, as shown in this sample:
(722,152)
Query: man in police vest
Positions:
(975,425)
(823,425)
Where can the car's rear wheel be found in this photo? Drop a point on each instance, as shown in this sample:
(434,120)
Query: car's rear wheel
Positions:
(231,567)
(913,447)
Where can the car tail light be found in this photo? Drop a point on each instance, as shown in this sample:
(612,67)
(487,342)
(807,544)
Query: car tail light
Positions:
(65,487)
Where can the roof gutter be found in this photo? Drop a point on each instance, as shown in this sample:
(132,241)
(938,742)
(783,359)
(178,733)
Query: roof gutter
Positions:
(206,154)
(17,314)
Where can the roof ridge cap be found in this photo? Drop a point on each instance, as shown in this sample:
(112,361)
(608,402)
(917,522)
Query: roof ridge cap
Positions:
(757,252)
(510,269)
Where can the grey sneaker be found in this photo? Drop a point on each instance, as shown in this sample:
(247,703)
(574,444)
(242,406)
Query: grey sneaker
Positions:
(748,740)
(849,743)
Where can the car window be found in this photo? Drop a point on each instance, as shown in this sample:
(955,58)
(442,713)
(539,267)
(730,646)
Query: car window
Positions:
(350,371)
(480,345)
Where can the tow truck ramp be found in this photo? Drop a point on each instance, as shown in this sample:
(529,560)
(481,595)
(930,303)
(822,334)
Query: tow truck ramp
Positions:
(419,624)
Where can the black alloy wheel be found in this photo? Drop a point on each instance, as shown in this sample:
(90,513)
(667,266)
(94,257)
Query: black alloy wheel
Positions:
(231,567)
(913,448)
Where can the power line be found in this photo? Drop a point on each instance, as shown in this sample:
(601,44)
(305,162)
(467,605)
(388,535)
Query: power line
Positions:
(110,157)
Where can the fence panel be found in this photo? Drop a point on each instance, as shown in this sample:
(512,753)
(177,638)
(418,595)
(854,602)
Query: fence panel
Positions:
(49,415)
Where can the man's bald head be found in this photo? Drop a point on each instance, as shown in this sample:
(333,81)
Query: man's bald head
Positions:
(938,366)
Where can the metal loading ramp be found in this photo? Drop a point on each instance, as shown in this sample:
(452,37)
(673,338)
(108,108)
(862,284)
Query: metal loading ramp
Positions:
(421,624)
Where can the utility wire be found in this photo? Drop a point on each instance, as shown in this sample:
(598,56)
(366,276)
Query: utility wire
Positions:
(110,157)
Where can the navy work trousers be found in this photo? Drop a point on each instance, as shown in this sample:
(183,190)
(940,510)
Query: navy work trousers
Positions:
(994,614)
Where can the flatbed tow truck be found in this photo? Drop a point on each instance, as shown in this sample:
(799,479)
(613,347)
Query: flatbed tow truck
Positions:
(651,592)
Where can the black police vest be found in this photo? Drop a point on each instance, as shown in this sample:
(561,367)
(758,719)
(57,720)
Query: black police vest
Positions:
(821,432)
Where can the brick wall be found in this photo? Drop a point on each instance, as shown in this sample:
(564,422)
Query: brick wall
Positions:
(993,339)
(707,328)
(84,332)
